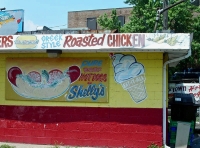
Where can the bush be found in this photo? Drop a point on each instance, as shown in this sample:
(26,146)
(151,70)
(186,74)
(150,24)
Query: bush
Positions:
(153,145)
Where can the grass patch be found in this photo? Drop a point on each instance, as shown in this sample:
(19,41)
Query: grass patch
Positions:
(6,146)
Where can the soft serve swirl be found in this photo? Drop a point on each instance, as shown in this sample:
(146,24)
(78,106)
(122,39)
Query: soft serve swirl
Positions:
(126,67)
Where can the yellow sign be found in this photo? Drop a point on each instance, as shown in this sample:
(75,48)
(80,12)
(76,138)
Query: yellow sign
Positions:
(59,79)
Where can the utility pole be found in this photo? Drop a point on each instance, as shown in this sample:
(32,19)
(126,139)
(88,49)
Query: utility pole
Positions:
(165,15)
(164,10)
(161,11)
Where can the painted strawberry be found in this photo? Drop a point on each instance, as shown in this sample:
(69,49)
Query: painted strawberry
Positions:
(35,76)
(55,74)
(13,72)
(74,73)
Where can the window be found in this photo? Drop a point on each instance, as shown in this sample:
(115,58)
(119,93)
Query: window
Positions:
(92,23)
(122,20)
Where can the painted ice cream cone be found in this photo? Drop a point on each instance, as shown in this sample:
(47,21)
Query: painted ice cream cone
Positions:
(136,88)
(131,75)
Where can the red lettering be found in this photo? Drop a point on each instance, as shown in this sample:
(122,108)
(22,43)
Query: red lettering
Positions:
(94,41)
(85,77)
(101,40)
(104,78)
(191,88)
(123,39)
(90,40)
(73,43)
(128,40)
(93,77)
(109,41)
(10,41)
(91,36)
(85,40)
(198,94)
(6,41)
(115,40)
(79,41)
(118,40)
(197,87)
(99,77)
(67,40)
(92,69)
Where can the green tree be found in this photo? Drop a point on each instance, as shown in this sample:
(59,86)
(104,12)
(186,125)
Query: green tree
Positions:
(182,18)
(136,2)
(187,20)
(109,22)
(143,15)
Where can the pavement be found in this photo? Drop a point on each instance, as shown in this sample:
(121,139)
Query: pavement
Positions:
(196,140)
(20,145)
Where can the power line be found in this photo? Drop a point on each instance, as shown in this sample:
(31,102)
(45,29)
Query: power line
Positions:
(58,26)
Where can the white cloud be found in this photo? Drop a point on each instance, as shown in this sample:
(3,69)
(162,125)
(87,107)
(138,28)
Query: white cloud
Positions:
(29,25)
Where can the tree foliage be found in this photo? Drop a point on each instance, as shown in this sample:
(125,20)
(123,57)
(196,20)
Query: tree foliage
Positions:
(136,2)
(142,18)
(111,22)
(183,18)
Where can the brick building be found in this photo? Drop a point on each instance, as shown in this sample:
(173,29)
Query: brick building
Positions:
(88,18)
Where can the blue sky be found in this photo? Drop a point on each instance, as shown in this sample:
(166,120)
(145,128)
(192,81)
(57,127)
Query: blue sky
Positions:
(54,12)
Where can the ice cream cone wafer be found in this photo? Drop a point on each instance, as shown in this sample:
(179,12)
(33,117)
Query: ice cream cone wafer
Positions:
(136,88)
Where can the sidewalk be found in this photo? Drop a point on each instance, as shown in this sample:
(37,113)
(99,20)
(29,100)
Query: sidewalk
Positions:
(196,140)
(20,145)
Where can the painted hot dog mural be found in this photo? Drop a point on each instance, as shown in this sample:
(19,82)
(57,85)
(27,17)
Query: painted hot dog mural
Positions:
(44,85)
(58,79)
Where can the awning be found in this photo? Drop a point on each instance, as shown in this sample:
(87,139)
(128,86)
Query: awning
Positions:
(175,44)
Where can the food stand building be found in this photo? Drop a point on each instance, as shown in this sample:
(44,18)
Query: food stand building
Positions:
(106,89)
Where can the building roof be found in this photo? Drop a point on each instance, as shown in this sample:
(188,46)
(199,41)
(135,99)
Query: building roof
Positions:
(66,31)
(101,9)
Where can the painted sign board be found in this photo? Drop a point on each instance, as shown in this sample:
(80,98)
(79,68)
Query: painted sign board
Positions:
(99,42)
(187,88)
(11,21)
(63,79)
